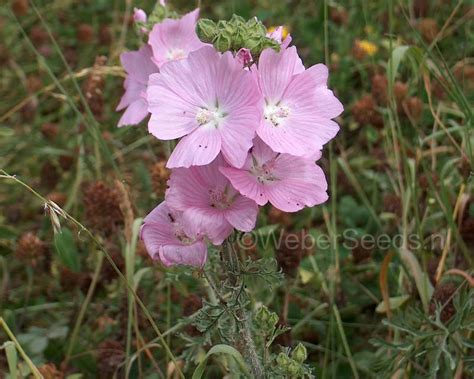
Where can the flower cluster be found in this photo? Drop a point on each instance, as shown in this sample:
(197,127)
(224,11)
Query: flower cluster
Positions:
(250,128)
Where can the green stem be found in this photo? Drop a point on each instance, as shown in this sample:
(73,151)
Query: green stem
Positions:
(247,344)
(85,304)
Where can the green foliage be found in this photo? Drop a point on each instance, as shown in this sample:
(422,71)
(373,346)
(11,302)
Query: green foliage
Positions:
(428,346)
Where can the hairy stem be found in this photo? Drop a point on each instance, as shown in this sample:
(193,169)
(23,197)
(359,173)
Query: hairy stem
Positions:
(246,343)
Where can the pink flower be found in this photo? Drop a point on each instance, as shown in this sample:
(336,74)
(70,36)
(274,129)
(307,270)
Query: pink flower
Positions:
(207,199)
(290,183)
(244,56)
(139,15)
(139,66)
(277,35)
(209,99)
(168,238)
(298,105)
(175,39)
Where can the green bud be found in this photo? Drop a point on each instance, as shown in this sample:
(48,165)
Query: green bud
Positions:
(300,353)
(266,320)
(206,30)
(283,361)
(223,42)
(293,368)
(237,20)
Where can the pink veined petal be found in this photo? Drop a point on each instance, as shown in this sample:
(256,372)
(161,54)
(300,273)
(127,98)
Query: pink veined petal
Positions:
(171,34)
(157,229)
(189,255)
(261,152)
(196,149)
(133,91)
(171,116)
(244,182)
(193,79)
(189,187)
(214,224)
(135,113)
(285,139)
(326,104)
(242,214)
(237,132)
(234,87)
(286,42)
(302,184)
(276,71)
(138,64)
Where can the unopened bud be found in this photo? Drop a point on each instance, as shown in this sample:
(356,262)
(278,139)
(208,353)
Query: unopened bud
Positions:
(300,353)
(206,30)
(223,42)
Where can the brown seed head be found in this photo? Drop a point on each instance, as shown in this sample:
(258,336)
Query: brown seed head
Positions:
(428,28)
(339,15)
(379,88)
(49,130)
(364,112)
(20,7)
(443,295)
(110,356)
(30,249)
(50,371)
(400,91)
(85,33)
(413,107)
(290,250)
(159,177)
(102,207)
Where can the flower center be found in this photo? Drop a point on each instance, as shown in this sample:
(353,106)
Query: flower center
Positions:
(276,113)
(205,116)
(175,54)
(219,198)
(264,173)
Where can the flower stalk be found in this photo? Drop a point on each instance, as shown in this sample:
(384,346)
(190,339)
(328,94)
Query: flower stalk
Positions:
(246,344)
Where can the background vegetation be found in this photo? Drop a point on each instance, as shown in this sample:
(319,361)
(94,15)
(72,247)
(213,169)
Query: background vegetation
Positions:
(402,166)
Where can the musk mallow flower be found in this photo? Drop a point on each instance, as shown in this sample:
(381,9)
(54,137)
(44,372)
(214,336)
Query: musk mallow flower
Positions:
(299,108)
(174,39)
(139,66)
(208,201)
(210,101)
(289,183)
(168,238)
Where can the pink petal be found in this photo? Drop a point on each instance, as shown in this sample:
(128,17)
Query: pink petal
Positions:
(234,87)
(138,64)
(237,133)
(193,79)
(135,113)
(213,222)
(302,184)
(242,215)
(276,71)
(244,182)
(196,149)
(174,34)
(189,255)
(327,105)
(157,230)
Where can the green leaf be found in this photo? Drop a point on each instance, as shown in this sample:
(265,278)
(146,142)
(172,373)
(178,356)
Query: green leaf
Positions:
(67,250)
(413,52)
(221,349)
(12,358)
(395,302)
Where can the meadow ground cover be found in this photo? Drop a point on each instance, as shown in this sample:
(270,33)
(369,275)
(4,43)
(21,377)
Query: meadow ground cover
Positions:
(359,266)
